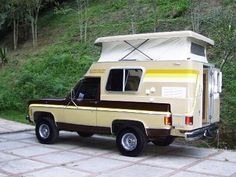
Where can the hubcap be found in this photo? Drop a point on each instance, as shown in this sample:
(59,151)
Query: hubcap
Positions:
(44,131)
(129,141)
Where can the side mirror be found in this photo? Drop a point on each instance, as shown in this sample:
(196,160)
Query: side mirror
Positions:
(72,94)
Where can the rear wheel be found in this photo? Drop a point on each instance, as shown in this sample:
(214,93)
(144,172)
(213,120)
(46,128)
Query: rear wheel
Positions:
(131,141)
(164,141)
(85,134)
(46,131)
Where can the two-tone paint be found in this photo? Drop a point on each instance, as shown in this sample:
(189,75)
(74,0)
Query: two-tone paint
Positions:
(166,88)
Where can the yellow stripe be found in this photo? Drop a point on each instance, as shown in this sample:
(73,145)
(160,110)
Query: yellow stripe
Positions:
(180,75)
(172,71)
(196,94)
(173,80)
(171,75)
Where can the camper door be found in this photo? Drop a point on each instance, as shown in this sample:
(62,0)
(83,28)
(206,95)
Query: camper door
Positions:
(212,83)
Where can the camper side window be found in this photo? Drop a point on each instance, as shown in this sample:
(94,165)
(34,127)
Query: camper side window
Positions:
(124,80)
(197,49)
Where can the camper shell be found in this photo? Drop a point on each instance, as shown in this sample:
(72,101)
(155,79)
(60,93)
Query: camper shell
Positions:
(144,87)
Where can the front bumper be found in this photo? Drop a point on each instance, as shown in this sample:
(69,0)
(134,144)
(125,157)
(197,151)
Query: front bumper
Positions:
(204,132)
(28,118)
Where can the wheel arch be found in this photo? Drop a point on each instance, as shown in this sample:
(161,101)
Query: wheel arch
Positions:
(120,124)
(42,114)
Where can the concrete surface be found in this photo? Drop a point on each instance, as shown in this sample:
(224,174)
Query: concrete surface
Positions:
(7,126)
(22,155)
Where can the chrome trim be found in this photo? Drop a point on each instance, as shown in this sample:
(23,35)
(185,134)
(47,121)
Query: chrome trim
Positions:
(200,133)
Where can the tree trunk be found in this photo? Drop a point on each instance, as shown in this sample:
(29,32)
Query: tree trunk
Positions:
(82,6)
(226,58)
(86,20)
(33,13)
(133,24)
(154,5)
(36,31)
(17,32)
(36,34)
(36,24)
(33,31)
(132,15)
(85,31)
(14,34)
(25,27)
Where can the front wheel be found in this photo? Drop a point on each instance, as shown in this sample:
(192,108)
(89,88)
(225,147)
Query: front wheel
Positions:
(164,141)
(46,131)
(131,141)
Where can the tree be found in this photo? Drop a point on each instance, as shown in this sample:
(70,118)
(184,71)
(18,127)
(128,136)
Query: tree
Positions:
(11,11)
(222,25)
(132,10)
(154,9)
(3,12)
(16,9)
(33,7)
(82,8)
(3,56)
(197,16)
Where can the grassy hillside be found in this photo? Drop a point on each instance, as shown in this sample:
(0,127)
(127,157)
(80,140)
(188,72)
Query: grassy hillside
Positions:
(61,59)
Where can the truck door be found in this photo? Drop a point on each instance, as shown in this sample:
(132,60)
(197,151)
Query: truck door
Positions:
(83,105)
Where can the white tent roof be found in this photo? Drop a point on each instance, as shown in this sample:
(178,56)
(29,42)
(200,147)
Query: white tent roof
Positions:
(152,46)
(166,35)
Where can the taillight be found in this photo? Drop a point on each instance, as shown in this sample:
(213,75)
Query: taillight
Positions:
(168,120)
(189,120)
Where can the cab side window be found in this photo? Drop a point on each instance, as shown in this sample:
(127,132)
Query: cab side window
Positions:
(88,89)
(124,80)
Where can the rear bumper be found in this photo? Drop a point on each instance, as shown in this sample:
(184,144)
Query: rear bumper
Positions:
(204,132)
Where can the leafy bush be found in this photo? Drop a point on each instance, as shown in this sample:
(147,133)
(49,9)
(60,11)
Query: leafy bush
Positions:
(173,8)
(118,4)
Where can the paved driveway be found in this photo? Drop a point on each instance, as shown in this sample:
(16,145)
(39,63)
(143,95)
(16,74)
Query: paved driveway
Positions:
(22,155)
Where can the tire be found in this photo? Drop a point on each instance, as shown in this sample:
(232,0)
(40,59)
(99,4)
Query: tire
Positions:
(126,146)
(46,131)
(164,141)
(85,134)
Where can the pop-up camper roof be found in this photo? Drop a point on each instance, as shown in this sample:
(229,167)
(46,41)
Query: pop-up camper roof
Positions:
(178,45)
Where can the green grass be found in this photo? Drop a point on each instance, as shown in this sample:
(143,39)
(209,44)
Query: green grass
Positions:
(14,116)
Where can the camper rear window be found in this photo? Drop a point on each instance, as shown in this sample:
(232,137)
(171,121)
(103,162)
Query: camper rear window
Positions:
(197,49)
(124,80)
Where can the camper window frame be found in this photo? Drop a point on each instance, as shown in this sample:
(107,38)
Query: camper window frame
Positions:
(123,80)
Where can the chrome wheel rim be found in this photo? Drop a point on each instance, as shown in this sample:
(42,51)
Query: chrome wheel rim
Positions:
(44,131)
(129,141)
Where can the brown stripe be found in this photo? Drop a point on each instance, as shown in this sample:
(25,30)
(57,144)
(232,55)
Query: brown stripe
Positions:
(83,128)
(55,101)
(108,104)
(151,133)
(155,133)
(135,105)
